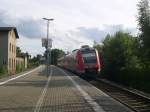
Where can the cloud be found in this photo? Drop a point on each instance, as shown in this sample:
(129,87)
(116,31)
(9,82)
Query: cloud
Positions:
(76,22)
(74,38)
(30,28)
(98,34)
(92,33)
(69,40)
(35,29)
(88,13)
(4,18)
(32,46)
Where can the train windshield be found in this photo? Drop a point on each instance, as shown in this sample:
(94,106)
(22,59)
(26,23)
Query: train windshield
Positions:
(89,56)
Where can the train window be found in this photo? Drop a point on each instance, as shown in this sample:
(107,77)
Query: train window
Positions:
(88,53)
(89,60)
(89,56)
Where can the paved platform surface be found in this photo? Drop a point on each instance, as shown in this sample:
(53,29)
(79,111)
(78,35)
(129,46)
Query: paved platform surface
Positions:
(61,91)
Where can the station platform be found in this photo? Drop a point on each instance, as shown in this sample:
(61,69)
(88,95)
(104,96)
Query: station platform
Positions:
(68,93)
(60,91)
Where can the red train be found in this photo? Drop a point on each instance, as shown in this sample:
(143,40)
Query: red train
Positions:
(85,59)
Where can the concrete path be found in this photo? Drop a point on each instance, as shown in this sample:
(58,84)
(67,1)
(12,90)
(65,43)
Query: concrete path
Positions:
(61,91)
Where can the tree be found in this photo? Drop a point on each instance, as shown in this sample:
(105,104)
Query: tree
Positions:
(18,51)
(35,60)
(144,27)
(98,47)
(119,53)
(55,54)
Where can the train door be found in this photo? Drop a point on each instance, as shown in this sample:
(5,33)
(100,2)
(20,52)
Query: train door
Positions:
(80,64)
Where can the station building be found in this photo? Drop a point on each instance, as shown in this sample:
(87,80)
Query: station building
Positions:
(8,37)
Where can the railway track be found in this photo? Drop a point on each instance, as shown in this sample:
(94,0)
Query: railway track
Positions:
(135,101)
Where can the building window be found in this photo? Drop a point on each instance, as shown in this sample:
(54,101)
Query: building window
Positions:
(14,64)
(10,47)
(9,63)
(14,49)
(4,62)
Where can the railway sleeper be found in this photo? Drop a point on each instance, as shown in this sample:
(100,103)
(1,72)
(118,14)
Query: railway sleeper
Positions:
(143,110)
(142,106)
(138,103)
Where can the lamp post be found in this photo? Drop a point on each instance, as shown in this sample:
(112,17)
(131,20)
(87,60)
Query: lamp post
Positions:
(48,45)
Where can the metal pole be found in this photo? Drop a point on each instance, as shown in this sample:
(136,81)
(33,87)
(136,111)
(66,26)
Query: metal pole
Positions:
(47,30)
(47,47)
(50,58)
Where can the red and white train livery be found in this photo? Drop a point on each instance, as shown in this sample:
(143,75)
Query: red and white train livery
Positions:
(85,59)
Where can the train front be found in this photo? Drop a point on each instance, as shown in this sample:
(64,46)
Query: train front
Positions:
(91,60)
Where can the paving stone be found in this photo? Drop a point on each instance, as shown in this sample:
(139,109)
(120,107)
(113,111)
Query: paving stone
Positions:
(61,95)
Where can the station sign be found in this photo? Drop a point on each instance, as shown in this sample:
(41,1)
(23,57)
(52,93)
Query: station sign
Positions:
(47,42)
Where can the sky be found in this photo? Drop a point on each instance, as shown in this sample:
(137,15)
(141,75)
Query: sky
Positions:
(76,22)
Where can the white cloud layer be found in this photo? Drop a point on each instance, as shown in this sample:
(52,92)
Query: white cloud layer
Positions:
(77,22)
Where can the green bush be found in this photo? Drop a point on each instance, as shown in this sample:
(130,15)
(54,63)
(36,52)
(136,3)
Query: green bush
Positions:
(122,63)
(3,70)
(126,59)
(19,68)
(119,53)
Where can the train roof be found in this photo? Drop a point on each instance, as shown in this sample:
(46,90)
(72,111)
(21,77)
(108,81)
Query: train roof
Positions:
(75,50)
(87,49)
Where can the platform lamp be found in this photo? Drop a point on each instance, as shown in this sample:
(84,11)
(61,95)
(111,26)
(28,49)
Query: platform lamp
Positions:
(48,44)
